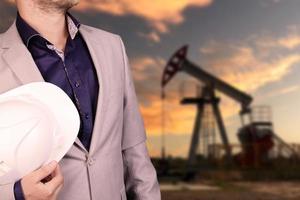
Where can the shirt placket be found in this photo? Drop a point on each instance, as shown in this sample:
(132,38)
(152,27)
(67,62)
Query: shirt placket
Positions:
(78,91)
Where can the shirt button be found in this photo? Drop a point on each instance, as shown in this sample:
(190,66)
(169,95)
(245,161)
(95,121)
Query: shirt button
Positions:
(77,84)
(87,116)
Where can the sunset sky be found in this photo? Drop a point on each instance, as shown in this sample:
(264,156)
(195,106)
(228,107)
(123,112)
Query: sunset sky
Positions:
(252,44)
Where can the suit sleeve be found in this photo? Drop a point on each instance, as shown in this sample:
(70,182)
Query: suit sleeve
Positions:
(140,175)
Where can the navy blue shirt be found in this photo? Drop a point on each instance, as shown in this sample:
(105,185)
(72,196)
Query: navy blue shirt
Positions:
(72,70)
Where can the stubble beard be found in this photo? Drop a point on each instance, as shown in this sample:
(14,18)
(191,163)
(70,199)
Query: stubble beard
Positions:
(57,6)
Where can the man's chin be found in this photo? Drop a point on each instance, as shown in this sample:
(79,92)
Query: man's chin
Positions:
(65,4)
(56,5)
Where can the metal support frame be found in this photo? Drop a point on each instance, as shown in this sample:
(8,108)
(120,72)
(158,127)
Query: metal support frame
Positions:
(207,97)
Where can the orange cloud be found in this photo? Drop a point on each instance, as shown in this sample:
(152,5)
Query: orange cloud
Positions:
(249,65)
(142,65)
(290,42)
(152,36)
(282,91)
(148,71)
(247,72)
(174,113)
(159,13)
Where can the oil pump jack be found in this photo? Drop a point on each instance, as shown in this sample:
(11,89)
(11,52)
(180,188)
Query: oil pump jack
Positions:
(248,133)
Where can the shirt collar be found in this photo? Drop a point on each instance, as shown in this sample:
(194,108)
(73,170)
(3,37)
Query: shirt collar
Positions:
(27,32)
(73,25)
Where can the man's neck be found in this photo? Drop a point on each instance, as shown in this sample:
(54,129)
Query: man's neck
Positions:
(52,26)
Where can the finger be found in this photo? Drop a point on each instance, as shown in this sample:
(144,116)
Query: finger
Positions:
(56,171)
(44,171)
(48,178)
(56,181)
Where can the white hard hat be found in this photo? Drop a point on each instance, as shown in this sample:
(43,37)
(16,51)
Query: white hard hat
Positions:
(38,124)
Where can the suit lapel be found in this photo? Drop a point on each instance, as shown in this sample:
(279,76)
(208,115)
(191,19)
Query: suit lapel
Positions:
(98,57)
(18,57)
(20,61)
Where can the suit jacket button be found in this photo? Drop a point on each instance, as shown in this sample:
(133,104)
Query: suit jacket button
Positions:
(90,161)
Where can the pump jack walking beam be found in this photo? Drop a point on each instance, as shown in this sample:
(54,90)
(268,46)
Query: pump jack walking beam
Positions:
(179,62)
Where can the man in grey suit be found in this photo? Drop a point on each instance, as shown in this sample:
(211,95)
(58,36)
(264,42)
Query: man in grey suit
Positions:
(109,160)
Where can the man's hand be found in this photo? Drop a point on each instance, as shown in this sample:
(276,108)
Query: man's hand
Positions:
(44,183)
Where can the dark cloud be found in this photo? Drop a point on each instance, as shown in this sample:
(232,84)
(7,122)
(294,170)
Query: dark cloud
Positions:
(127,26)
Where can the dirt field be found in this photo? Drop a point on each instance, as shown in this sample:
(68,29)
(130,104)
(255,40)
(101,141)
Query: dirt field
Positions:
(234,191)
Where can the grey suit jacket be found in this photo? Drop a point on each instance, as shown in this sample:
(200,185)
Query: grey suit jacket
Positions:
(118,166)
